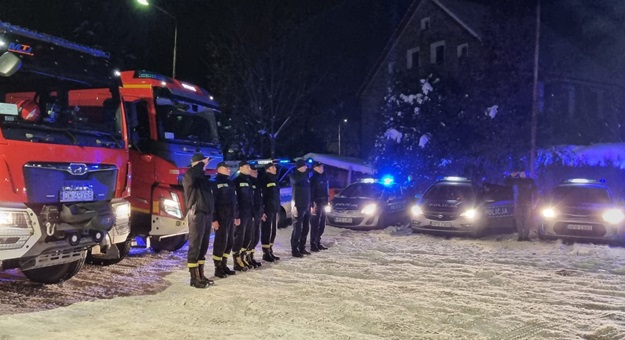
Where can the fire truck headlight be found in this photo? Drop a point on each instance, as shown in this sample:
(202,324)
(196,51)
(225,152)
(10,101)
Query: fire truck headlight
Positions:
(122,211)
(171,207)
(613,216)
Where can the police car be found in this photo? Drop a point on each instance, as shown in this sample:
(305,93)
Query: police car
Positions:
(582,209)
(368,204)
(455,205)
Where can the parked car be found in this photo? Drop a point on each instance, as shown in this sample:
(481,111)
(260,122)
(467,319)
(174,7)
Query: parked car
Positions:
(368,204)
(456,205)
(582,209)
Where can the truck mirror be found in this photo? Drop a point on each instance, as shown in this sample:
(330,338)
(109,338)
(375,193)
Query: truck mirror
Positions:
(9,64)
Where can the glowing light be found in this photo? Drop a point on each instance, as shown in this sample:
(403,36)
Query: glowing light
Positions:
(117,73)
(6,218)
(455,178)
(2,43)
(368,180)
(579,180)
(370,209)
(189,87)
(122,210)
(143,2)
(163,83)
(470,214)
(549,213)
(387,180)
(613,216)
(328,208)
(416,210)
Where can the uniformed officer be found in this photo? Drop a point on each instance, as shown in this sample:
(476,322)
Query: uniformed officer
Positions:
(199,202)
(225,218)
(271,206)
(300,184)
(258,217)
(320,197)
(525,197)
(242,233)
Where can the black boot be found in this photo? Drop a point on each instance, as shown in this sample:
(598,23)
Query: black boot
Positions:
(321,247)
(296,253)
(219,270)
(250,259)
(224,263)
(304,251)
(314,249)
(239,265)
(203,277)
(195,278)
(273,255)
(267,255)
(246,261)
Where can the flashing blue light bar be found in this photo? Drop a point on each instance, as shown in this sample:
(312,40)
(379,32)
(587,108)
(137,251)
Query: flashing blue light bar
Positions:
(310,160)
(284,161)
(455,178)
(387,180)
(583,181)
(368,180)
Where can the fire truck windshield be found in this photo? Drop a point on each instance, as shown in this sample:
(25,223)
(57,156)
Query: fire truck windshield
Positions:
(59,112)
(180,122)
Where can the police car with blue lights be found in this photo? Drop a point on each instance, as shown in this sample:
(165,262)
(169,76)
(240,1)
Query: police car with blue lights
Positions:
(456,205)
(368,204)
(582,209)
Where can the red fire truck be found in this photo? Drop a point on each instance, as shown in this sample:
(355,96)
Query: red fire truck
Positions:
(64,163)
(169,120)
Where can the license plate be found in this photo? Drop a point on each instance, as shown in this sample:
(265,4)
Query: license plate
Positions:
(586,227)
(440,224)
(396,206)
(343,220)
(76,195)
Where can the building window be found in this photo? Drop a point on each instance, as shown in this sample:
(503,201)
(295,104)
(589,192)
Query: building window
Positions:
(412,58)
(570,92)
(437,52)
(463,50)
(425,24)
(391,67)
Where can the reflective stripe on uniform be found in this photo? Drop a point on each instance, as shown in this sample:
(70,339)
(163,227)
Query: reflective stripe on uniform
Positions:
(192,265)
(266,246)
(226,256)
(271,185)
(223,185)
(243,184)
(200,262)
(216,258)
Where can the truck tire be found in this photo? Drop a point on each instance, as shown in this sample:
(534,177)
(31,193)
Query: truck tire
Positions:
(55,274)
(124,249)
(170,243)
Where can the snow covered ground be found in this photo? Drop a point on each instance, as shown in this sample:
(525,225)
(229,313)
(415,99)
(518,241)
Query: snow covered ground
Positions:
(388,284)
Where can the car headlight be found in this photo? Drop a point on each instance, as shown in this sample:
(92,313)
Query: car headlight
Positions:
(613,216)
(416,210)
(470,214)
(6,218)
(328,208)
(549,213)
(171,207)
(122,211)
(370,209)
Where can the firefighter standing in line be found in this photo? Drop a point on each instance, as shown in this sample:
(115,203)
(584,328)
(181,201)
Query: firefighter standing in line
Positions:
(258,217)
(320,197)
(242,233)
(525,196)
(301,208)
(226,217)
(199,202)
(271,206)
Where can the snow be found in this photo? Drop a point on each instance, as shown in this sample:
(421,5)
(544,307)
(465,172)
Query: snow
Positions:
(492,111)
(423,141)
(426,87)
(388,284)
(604,154)
(347,163)
(394,135)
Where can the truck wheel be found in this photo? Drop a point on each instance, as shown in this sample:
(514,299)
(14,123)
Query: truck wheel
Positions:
(124,249)
(170,243)
(282,220)
(55,274)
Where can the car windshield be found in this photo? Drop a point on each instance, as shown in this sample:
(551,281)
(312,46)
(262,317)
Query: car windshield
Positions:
(363,190)
(572,195)
(450,192)
(185,122)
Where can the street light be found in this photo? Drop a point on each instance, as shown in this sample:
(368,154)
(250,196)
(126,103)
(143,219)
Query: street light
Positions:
(147,3)
(344,121)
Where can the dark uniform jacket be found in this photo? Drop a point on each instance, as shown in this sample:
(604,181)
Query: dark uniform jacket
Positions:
(197,190)
(301,188)
(271,193)
(245,195)
(319,188)
(258,195)
(225,197)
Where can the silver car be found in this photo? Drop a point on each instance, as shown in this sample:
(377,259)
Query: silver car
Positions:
(582,209)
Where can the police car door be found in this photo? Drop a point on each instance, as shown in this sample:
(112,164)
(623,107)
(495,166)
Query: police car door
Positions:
(498,203)
(396,204)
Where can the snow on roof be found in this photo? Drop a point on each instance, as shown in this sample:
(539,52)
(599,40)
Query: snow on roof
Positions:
(347,163)
(606,154)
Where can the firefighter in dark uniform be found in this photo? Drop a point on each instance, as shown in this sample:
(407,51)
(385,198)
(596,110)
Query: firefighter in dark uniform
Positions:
(242,233)
(300,184)
(271,209)
(258,218)
(320,196)
(525,196)
(226,217)
(199,202)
